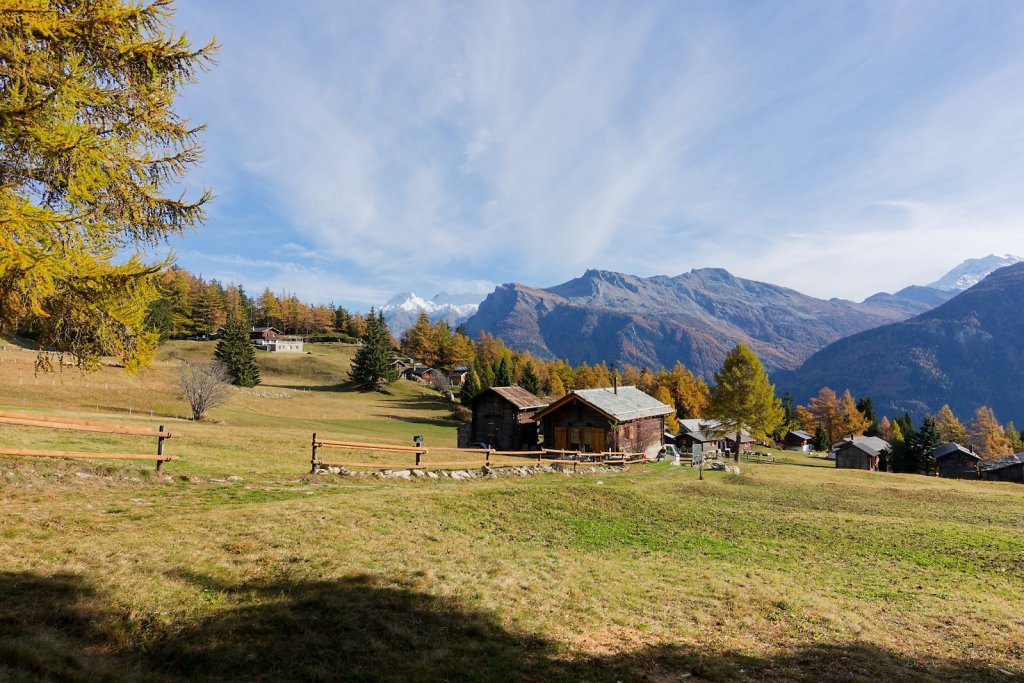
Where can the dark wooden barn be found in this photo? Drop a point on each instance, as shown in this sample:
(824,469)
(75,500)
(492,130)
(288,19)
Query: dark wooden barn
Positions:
(953,461)
(797,440)
(860,453)
(622,419)
(1009,468)
(503,419)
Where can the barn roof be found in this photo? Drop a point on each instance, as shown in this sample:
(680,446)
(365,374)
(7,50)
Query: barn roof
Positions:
(872,445)
(801,434)
(622,404)
(710,430)
(951,448)
(519,397)
(1001,463)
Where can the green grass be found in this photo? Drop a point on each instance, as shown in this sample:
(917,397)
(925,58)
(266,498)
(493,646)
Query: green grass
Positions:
(791,571)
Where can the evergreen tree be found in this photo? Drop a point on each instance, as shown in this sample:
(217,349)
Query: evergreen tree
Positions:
(502,373)
(920,448)
(743,398)
(89,146)
(530,381)
(238,354)
(1013,437)
(903,458)
(470,388)
(866,406)
(371,367)
(821,442)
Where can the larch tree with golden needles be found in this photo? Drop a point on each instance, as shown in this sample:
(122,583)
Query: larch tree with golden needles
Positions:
(743,398)
(988,437)
(89,146)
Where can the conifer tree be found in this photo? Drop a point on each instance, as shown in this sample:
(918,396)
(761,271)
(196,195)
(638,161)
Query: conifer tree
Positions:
(850,420)
(502,373)
(89,146)
(988,437)
(950,428)
(1013,437)
(743,398)
(926,440)
(470,388)
(821,442)
(530,381)
(238,354)
(555,386)
(371,367)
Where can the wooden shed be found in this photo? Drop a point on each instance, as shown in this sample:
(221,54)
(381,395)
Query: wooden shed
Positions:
(615,419)
(860,452)
(953,461)
(797,440)
(1010,468)
(503,418)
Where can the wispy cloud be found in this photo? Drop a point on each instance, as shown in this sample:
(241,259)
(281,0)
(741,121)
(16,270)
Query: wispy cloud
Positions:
(419,144)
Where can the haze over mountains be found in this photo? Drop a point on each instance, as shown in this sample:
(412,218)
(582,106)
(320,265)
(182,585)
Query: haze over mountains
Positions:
(966,352)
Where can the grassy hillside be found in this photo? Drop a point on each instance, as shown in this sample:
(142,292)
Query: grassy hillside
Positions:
(790,571)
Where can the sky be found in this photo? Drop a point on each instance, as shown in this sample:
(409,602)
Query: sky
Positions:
(359,149)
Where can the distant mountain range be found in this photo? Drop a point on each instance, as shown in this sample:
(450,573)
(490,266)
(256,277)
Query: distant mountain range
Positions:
(966,352)
(696,317)
(401,310)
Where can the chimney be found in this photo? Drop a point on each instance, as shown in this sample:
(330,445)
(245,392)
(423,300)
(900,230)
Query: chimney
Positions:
(615,384)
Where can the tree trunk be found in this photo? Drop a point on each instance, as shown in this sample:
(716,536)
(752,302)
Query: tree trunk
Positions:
(736,457)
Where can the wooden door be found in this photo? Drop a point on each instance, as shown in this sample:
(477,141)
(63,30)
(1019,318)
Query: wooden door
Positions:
(597,438)
(561,438)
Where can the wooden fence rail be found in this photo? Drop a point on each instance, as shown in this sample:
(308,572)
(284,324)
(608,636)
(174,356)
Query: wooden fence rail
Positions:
(543,455)
(46,422)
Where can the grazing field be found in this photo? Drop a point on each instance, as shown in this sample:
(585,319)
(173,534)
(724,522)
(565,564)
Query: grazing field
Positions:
(237,565)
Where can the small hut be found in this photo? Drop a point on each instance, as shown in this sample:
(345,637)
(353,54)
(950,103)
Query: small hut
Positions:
(956,462)
(503,418)
(1010,468)
(797,440)
(860,452)
(618,419)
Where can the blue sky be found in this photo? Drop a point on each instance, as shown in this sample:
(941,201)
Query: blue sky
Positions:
(359,149)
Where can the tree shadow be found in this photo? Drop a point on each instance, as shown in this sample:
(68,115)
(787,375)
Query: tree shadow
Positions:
(367,628)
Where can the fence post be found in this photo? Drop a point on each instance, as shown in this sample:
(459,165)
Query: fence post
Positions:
(160,450)
(312,461)
(487,457)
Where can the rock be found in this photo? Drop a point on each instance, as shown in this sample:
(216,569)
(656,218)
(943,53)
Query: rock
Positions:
(83,475)
(600,483)
(432,475)
(400,474)
(319,471)
(234,477)
(418,473)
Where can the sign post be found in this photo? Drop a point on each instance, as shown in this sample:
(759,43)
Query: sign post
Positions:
(698,460)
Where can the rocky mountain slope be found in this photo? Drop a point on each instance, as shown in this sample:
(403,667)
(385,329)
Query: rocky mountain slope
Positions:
(696,317)
(966,352)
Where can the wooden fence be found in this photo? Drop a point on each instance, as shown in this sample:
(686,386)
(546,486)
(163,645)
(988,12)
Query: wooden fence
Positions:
(490,456)
(61,423)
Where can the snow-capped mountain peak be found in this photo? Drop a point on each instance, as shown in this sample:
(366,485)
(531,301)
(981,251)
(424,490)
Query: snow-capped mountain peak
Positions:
(972,271)
(401,310)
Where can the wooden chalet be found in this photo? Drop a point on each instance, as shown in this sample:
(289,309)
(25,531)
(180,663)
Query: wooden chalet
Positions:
(1009,468)
(860,452)
(953,461)
(615,419)
(262,336)
(695,431)
(503,418)
(458,375)
(798,440)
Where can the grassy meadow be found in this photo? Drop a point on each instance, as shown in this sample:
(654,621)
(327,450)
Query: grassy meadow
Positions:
(237,565)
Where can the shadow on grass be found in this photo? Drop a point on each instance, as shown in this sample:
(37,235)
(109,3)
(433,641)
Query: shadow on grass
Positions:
(364,628)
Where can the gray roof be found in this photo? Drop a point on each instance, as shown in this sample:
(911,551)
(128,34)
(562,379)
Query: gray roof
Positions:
(951,448)
(709,430)
(625,404)
(801,434)
(872,445)
(1000,463)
